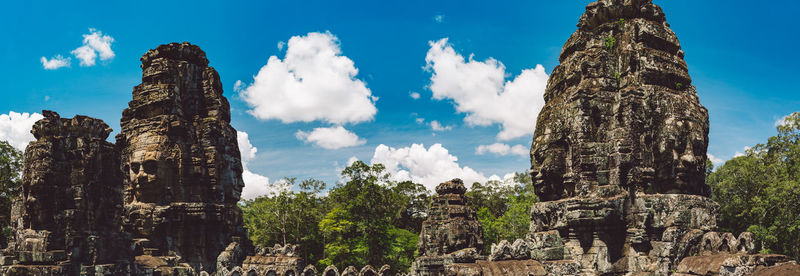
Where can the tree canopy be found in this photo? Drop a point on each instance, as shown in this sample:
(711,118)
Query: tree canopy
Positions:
(759,192)
(10,181)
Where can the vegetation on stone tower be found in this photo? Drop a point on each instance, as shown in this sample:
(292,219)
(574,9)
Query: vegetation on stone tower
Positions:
(609,42)
(760,191)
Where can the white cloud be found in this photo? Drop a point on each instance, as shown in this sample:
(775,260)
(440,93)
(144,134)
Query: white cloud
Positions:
(55,62)
(281,44)
(330,137)
(95,44)
(255,185)
(419,120)
(414,95)
(502,149)
(15,128)
(479,89)
(738,154)
(351,160)
(715,160)
(436,126)
(425,166)
(507,179)
(439,18)
(782,120)
(313,82)
(238,85)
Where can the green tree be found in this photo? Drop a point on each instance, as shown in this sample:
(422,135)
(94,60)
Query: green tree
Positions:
(10,182)
(288,217)
(760,191)
(413,200)
(503,210)
(372,219)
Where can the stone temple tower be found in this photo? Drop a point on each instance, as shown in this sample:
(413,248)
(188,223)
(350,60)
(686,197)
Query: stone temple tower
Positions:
(618,155)
(181,167)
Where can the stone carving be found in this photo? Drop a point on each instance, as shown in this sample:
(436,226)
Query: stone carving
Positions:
(181,161)
(618,162)
(451,225)
(452,232)
(618,155)
(621,110)
(66,219)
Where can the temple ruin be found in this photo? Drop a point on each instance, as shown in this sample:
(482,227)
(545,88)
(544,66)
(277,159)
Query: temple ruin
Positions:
(617,160)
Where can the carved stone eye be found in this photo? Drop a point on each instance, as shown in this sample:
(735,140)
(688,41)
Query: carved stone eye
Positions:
(135,167)
(150,166)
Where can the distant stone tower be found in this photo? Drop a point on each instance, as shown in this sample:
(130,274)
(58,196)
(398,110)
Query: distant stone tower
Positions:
(66,219)
(452,232)
(180,161)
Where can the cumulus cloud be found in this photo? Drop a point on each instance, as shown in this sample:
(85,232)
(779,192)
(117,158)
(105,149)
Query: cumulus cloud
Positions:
(255,185)
(419,120)
(351,160)
(55,62)
(414,95)
(238,85)
(479,89)
(429,166)
(436,126)
(15,128)
(715,160)
(439,18)
(281,44)
(95,44)
(502,149)
(313,82)
(330,137)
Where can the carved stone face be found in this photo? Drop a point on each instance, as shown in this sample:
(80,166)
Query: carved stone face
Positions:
(680,157)
(144,176)
(550,165)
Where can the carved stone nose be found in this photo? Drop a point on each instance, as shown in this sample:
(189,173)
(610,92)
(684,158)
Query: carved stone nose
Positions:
(688,158)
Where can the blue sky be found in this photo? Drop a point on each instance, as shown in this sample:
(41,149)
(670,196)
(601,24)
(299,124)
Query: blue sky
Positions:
(741,57)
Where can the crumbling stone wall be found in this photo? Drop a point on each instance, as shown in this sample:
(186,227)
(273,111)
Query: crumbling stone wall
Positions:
(67,216)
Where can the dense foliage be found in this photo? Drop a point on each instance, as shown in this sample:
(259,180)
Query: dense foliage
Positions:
(370,219)
(503,210)
(288,217)
(760,191)
(10,181)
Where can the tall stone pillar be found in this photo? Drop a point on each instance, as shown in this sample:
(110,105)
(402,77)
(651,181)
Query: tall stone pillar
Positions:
(618,155)
(180,162)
